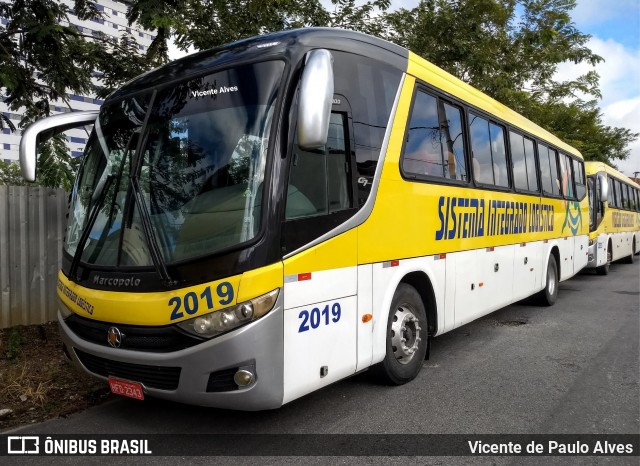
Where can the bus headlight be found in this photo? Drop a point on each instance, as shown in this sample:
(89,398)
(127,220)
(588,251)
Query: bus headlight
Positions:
(218,322)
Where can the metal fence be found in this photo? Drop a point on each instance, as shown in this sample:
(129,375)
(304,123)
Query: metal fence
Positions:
(32,224)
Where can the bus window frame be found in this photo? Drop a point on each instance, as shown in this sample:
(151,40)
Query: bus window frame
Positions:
(419,86)
(547,193)
(584,177)
(573,176)
(507,153)
(519,132)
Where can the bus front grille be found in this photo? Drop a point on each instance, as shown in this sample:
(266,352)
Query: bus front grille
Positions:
(222,381)
(138,338)
(162,378)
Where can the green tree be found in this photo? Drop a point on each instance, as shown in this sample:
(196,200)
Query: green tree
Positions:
(580,124)
(204,24)
(42,61)
(487,44)
(10,174)
(511,49)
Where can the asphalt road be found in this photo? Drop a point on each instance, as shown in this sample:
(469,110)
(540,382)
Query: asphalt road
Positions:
(572,368)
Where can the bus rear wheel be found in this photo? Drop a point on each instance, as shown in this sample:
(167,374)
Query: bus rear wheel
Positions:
(548,296)
(406,342)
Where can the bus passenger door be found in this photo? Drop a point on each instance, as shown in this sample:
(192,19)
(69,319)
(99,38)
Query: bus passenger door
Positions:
(320,275)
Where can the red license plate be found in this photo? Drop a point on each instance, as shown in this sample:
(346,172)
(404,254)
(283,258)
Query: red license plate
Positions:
(124,388)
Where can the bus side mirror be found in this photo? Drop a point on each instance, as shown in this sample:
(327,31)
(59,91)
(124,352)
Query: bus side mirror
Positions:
(44,129)
(604,187)
(316,99)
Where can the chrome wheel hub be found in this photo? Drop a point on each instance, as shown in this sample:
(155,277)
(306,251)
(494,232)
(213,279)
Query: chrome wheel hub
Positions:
(405,334)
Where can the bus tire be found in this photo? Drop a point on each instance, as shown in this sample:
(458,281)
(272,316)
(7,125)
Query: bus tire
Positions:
(406,342)
(629,258)
(548,295)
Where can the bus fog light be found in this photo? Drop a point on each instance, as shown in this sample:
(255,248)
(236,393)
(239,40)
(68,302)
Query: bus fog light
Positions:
(224,320)
(243,377)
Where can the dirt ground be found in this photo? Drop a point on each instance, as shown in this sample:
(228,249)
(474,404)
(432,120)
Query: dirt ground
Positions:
(37,382)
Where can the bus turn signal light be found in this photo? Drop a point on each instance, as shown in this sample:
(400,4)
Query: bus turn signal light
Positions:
(366,318)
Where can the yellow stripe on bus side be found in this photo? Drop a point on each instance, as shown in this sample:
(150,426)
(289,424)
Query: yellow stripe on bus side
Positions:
(157,308)
(336,253)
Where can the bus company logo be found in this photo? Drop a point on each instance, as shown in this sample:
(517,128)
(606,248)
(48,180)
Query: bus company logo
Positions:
(119,282)
(115,337)
(572,217)
(23,445)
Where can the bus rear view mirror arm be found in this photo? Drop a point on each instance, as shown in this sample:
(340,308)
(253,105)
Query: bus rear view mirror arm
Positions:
(316,99)
(44,129)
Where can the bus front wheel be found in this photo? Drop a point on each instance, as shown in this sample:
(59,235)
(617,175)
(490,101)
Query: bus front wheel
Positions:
(406,342)
(548,296)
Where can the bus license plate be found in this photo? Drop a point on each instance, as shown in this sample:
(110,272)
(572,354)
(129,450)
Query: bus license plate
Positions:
(124,388)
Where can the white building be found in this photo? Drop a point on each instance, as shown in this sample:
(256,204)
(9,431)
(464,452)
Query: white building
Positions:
(114,25)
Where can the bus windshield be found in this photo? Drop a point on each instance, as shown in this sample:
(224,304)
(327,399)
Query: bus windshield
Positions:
(197,151)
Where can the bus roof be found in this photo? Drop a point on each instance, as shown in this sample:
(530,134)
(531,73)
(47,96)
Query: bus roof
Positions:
(274,45)
(279,44)
(432,74)
(591,168)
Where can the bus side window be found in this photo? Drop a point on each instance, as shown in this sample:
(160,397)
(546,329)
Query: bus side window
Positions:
(578,174)
(320,180)
(423,150)
(618,194)
(481,150)
(530,157)
(567,177)
(434,141)
(451,126)
(523,162)
(488,152)
(611,199)
(545,169)
(555,176)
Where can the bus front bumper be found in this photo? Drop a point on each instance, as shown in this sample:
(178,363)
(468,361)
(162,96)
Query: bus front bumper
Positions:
(206,370)
(597,254)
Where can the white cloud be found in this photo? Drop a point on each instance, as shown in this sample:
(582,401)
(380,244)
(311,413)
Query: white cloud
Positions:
(620,87)
(618,73)
(625,114)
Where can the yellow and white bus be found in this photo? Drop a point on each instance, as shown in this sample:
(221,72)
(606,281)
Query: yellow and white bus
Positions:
(614,217)
(254,222)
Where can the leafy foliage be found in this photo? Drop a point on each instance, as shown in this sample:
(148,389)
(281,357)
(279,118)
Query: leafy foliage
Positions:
(10,174)
(510,49)
(42,60)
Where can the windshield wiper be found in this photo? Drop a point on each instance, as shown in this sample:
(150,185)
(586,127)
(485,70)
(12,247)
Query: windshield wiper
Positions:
(93,215)
(145,218)
(147,228)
